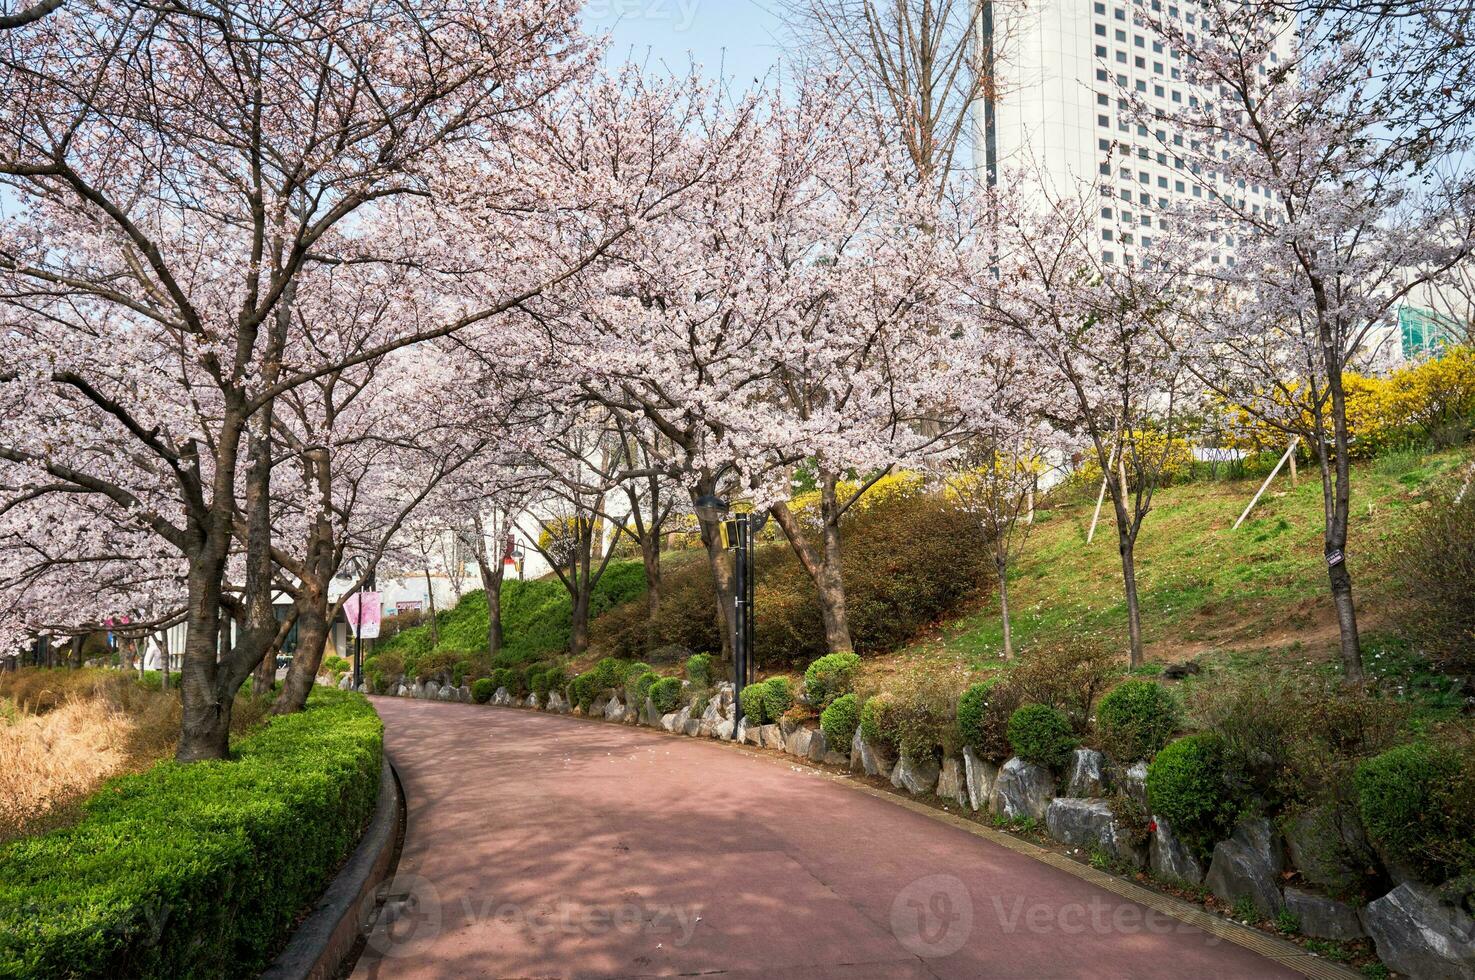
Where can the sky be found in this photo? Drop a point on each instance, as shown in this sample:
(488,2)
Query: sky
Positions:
(736,41)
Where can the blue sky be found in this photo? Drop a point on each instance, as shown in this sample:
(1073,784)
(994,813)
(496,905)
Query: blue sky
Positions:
(736,40)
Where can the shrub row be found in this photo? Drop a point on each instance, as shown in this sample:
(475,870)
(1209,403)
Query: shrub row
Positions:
(196,870)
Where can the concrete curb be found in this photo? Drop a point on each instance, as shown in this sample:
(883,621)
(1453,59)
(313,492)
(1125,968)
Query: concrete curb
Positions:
(331,933)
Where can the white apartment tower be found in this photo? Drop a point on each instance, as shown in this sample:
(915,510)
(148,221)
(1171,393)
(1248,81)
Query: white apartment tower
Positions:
(1061,67)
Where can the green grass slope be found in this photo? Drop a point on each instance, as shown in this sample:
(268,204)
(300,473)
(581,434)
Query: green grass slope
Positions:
(1204,586)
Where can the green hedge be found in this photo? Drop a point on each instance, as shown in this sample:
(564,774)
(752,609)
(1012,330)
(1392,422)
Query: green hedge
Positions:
(1188,785)
(839,721)
(196,870)
(665,694)
(1417,802)
(829,677)
(1136,719)
(1041,734)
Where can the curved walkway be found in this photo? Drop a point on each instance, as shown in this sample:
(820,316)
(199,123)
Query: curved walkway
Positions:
(543,846)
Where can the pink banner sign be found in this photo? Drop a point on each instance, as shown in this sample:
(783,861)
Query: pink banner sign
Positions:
(362,612)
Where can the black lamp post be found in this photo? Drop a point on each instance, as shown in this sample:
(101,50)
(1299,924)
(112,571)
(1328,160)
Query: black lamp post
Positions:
(739,533)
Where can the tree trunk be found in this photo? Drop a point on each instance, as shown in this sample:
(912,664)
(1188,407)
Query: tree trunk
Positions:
(824,567)
(579,624)
(722,579)
(312,639)
(205,728)
(74,657)
(430,599)
(1129,577)
(1003,570)
(491,583)
(1339,495)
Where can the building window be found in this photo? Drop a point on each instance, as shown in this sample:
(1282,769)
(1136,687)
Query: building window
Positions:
(1121,36)
(1101,51)
(1104,145)
(1101,99)
(1121,57)
(1106,170)
(1140,62)
(1103,121)
(1106,213)
(1108,258)
(1101,30)
(1101,75)
(1106,234)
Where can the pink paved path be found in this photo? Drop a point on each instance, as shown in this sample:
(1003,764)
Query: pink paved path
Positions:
(540,846)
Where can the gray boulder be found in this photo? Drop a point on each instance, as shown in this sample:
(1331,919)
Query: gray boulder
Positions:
(797,742)
(345,682)
(417,690)
(740,732)
(1248,865)
(557,704)
(614,710)
(401,691)
(1259,835)
(980,775)
(649,715)
(1419,935)
(770,737)
(1086,774)
(531,702)
(1328,846)
(724,730)
(682,717)
(465,692)
(1090,823)
(432,691)
(1134,783)
(502,697)
(819,746)
(867,757)
(693,727)
(788,726)
(1323,918)
(1022,790)
(596,708)
(668,721)
(916,776)
(1171,859)
(950,783)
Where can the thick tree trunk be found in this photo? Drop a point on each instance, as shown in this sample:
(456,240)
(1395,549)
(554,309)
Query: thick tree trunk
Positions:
(650,558)
(579,625)
(312,639)
(1003,572)
(74,657)
(205,728)
(430,599)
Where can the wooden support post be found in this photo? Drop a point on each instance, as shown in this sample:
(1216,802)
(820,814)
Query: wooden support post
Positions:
(1256,498)
(1101,496)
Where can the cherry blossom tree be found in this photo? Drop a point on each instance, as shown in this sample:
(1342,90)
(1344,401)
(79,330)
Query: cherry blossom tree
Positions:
(1318,216)
(177,168)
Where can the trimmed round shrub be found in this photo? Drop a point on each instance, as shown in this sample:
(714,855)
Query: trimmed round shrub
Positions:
(499,678)
(609,672)
(584,688)
(637,686)
(554,679)
(538,682)
(1418,804)
(482,690)
(1188,785)
(459,672)
(699,669)
(665,694)
(983,717)
(838,721)
(635,670)
(829,677)
(778,697)
(1041,734)
(875,720)
(751,699)
(1136,719)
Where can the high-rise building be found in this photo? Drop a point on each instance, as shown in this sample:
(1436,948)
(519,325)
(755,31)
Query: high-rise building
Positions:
(1061,68)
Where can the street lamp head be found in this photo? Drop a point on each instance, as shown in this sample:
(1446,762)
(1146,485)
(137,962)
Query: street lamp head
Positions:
(711,508)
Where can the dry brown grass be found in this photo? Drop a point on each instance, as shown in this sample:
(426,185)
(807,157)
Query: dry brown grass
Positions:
(62,732)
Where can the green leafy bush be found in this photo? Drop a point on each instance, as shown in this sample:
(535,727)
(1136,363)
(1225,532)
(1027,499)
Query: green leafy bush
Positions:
(829,677)
(839,720)
(213,854)
(921,716)
(984,710)
(538,682)
(764,703)
(1418,804)
(665,694)
(875,723)
(637,689)
(609,672)
(482,690)
(554,679)
(584,688)
(1136,719)
(699,669)
(1041,734)
(335,665)
(1189,785)
(1435,562)
(778,697)
(635,670)
(1069,677)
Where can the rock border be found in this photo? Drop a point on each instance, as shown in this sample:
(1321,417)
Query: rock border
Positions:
(330,936)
